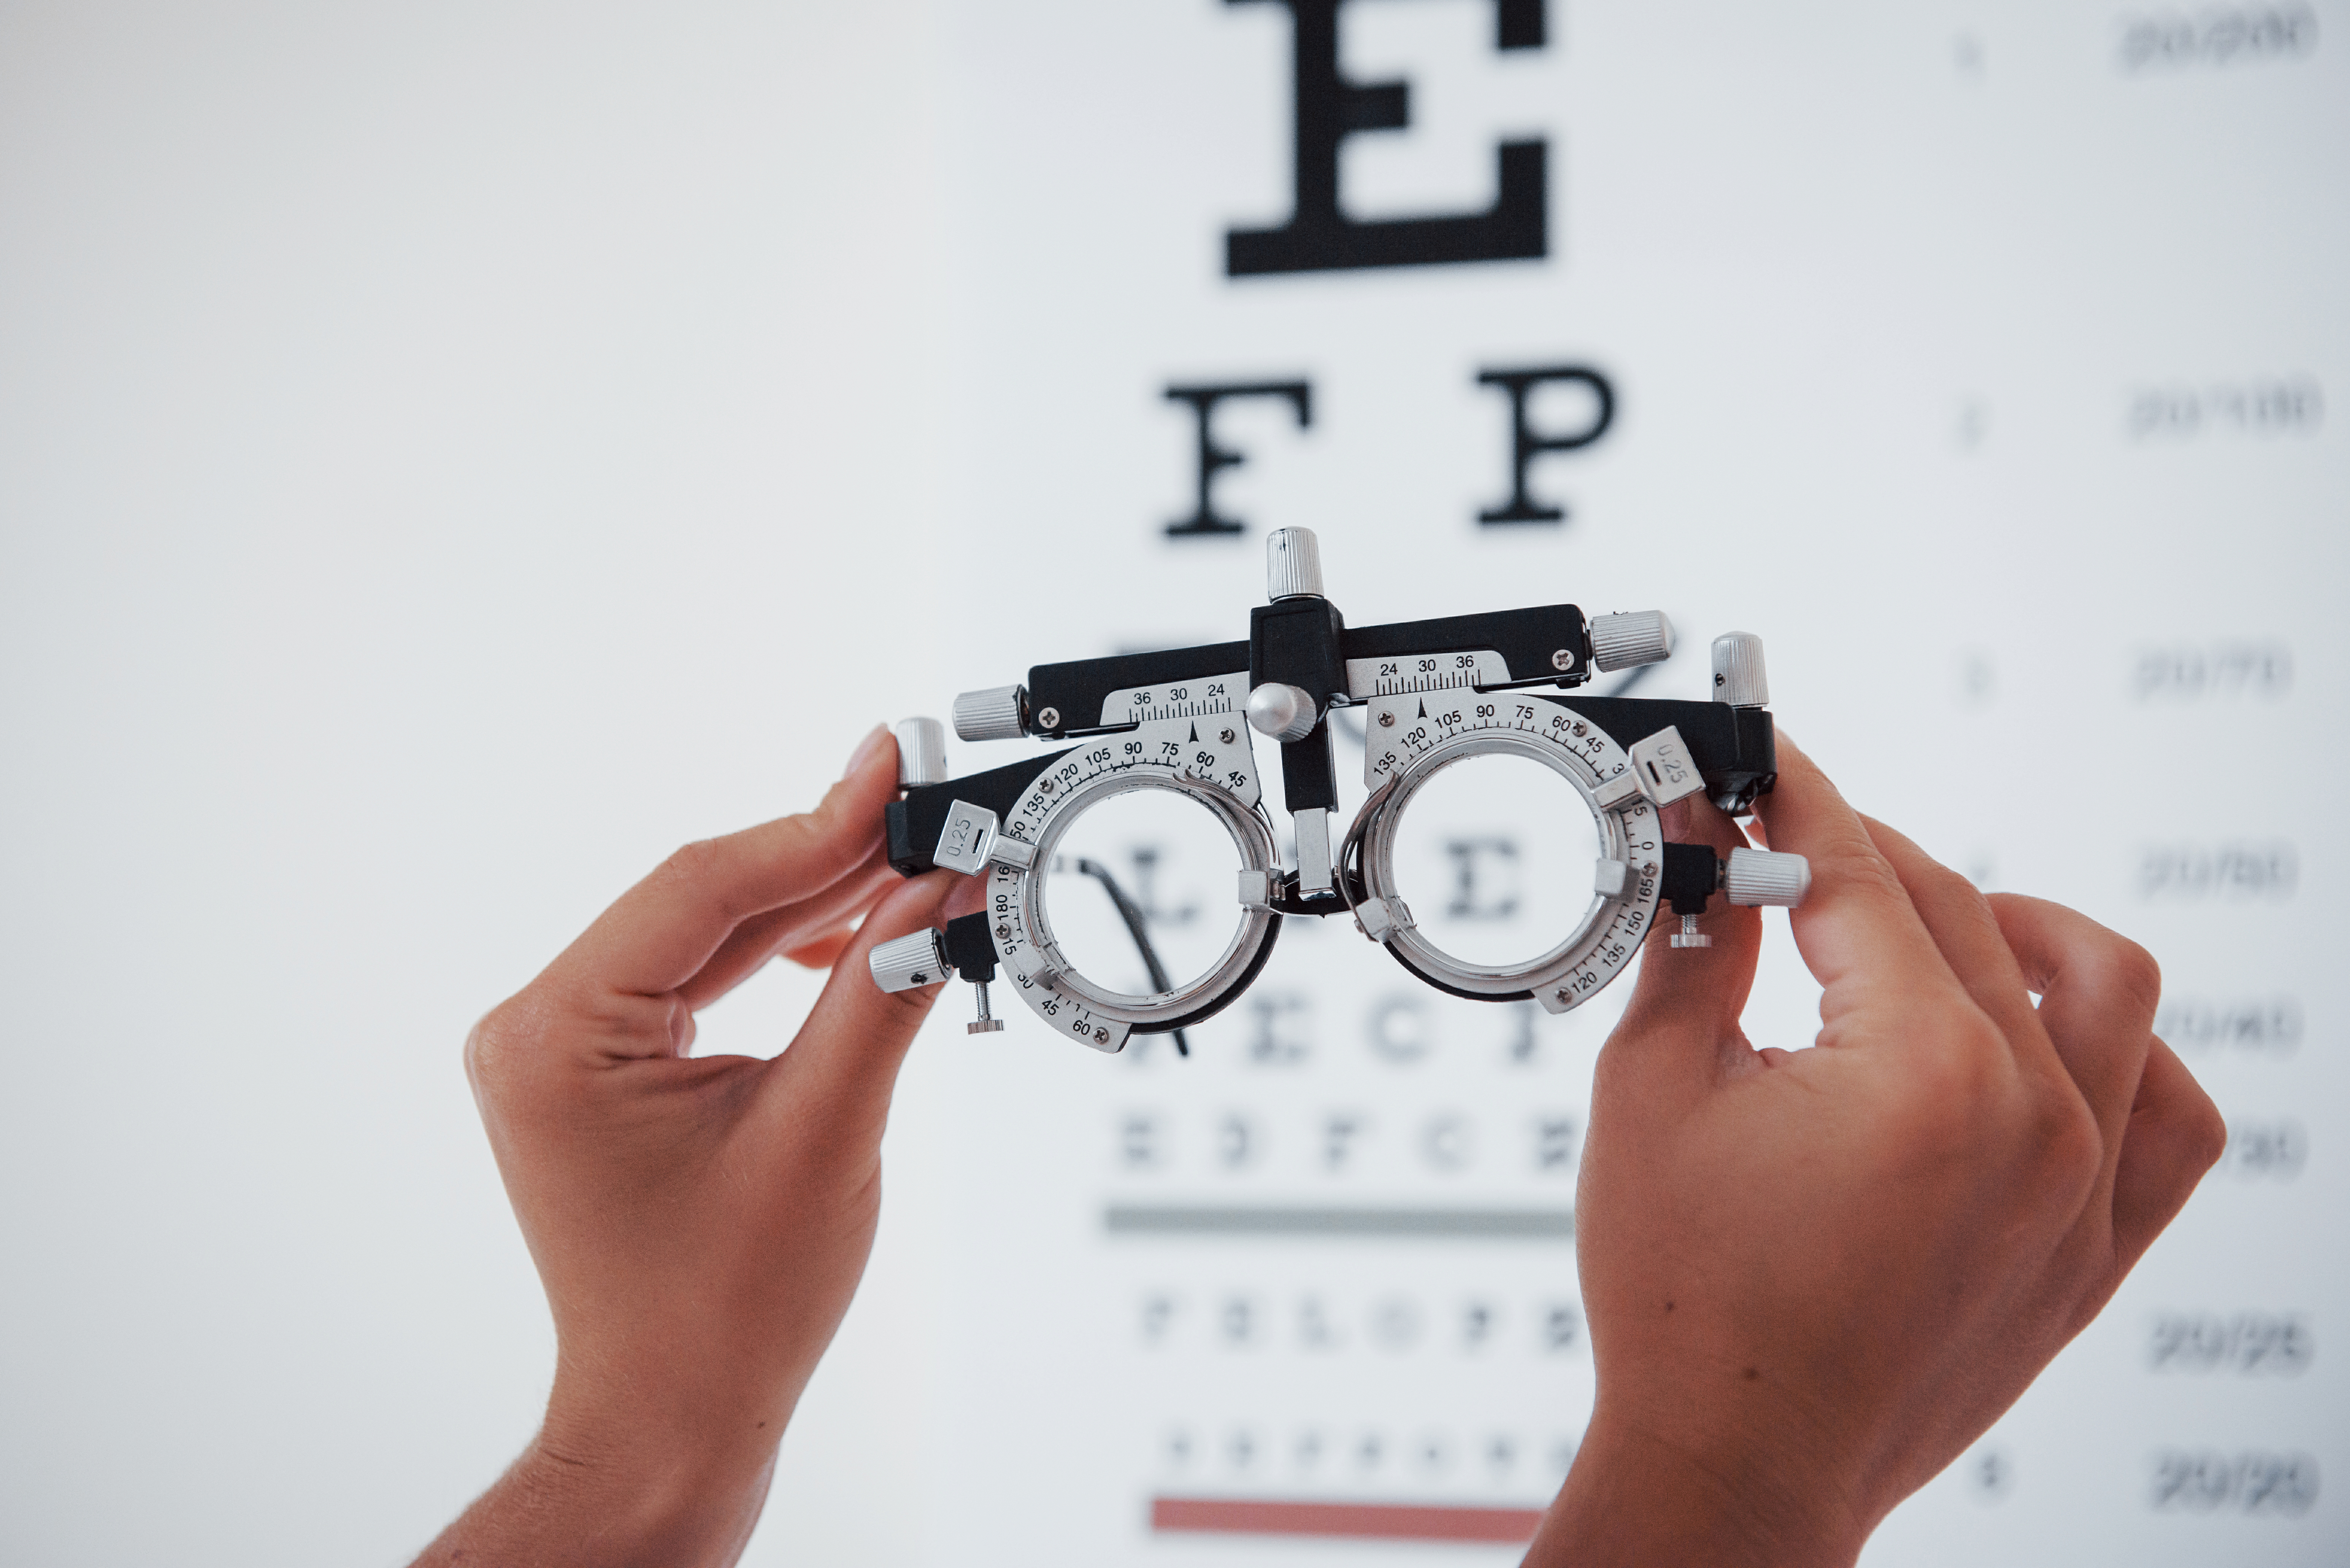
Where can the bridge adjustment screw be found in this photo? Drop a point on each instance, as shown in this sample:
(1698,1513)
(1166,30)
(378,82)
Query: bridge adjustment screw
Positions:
(1282,712)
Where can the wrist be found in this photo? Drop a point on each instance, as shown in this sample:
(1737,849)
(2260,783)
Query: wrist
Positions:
(1632,1498)
(678,1506)
(642,1465)
(555,1505)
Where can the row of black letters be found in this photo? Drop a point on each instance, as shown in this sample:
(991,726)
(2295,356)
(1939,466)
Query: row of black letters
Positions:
(2260,1149)
(2277,1484)
(2188,671)
(1315,1452)
(1394,1323)
(1399,1029)
(1340,1141)
(2228,35)
(2289,405)
(2207,1480)
(2247,1343)
(1527,442)
(2264,869)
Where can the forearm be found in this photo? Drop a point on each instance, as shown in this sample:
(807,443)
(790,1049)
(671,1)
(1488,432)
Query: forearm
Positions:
(555,1507)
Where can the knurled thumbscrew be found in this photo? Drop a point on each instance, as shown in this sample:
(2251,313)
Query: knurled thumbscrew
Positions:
(1689,936)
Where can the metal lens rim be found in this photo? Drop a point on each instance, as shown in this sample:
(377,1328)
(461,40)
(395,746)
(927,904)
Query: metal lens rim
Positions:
(1250,837)
(1379,866)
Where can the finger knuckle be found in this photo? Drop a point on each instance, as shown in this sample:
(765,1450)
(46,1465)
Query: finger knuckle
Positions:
(1856,868)
(2040,1127)
(1948,883)
(2064,1140)
(503,1039)
(2132,971)
(691,864)
(2121,976)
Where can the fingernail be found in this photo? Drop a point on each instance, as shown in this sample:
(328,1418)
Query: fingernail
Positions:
(874,741)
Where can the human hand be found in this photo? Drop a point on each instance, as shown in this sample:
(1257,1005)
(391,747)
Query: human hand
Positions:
(1813,1278)
(700,1222)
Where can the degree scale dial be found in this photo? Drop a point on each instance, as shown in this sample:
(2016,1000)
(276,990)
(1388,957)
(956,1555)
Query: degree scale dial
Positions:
(1203,756)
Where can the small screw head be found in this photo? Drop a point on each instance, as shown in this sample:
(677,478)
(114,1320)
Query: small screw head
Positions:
(1048,717)
(1386,720)
(1005,932)
(1226,736)
(1581,729)
(1045,784)
(1102,1036)
(1563,659)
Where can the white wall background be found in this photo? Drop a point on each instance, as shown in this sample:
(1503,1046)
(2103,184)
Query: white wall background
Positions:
(436,440)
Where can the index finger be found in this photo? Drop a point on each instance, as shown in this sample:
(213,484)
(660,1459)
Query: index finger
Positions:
(1857,928)
(661,931)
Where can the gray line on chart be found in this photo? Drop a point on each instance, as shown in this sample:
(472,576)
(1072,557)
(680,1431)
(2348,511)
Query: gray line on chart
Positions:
(1370,1224)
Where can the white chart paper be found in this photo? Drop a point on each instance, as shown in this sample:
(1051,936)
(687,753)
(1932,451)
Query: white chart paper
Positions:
(1983,359)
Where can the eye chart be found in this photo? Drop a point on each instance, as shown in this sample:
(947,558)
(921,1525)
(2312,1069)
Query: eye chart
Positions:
(1983,359)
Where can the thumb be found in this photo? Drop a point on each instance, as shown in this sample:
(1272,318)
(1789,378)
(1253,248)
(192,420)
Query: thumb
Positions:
(843,1065)
(1682,1024)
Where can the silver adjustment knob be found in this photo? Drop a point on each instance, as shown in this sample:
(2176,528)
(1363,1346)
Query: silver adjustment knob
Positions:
(1738,677)
(1766,877)
(986,1022)
(920,959)
(1621,641)
(921,753)
(1689,936)
(1284,712)
(998,713)
(1293,564)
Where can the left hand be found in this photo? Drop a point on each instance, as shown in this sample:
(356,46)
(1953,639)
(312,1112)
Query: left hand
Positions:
(700,1222)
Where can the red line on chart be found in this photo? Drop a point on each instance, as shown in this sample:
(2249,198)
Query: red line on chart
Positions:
(1353,1520)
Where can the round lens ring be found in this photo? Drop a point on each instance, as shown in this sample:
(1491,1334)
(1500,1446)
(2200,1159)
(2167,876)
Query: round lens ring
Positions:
(1495,856)
(1186,1002)
(1139,891)
(1600,943)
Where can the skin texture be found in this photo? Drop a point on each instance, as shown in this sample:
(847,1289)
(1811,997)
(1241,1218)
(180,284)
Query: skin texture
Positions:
(1812,1279)
(700,1222)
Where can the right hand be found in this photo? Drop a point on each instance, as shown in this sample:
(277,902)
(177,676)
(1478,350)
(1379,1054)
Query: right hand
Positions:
(1813,1278)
